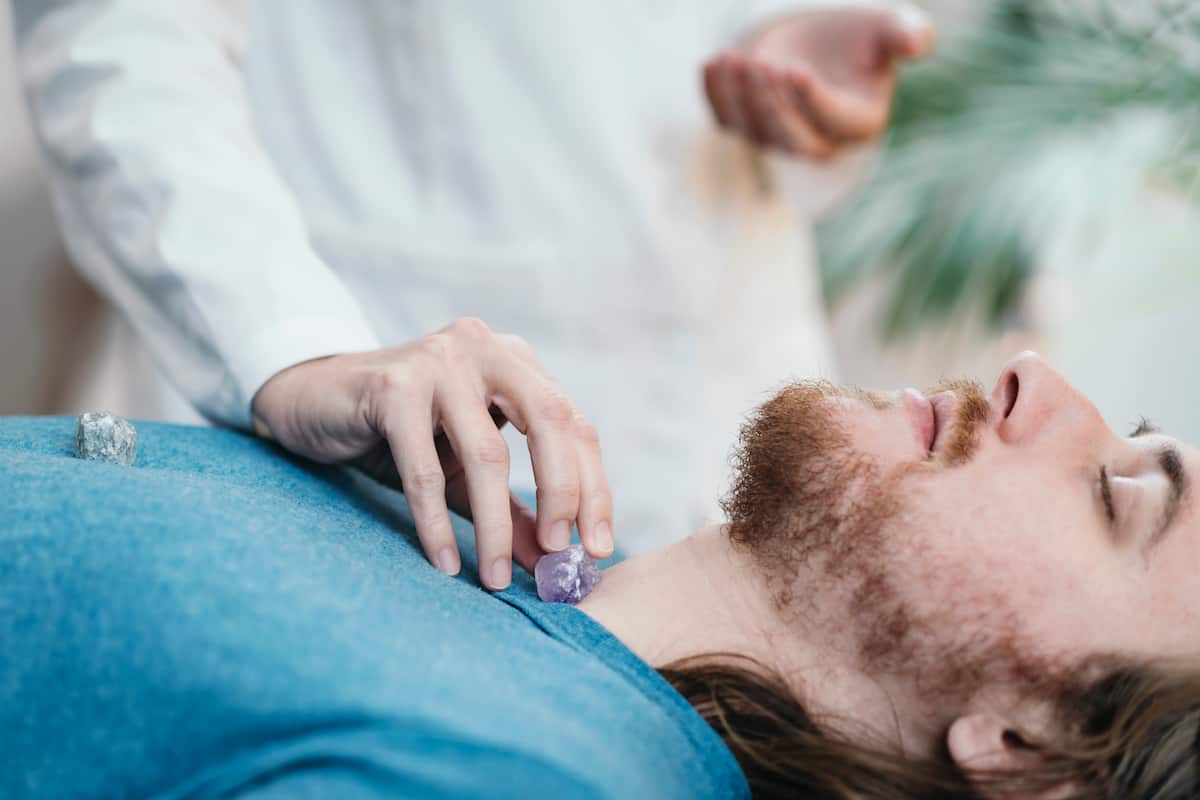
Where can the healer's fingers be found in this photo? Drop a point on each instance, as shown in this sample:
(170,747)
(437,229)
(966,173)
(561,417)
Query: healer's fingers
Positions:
(807,138)
(763,105)
(716,92)
(552,449)
(526,551)
(409,434)
(787,119)
(722,84)
(483,454)
(838,114)
(755,102)
(518,347)
(538,408)
(595,506)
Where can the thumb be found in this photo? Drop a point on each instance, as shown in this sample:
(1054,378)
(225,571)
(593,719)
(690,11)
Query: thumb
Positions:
(908,33)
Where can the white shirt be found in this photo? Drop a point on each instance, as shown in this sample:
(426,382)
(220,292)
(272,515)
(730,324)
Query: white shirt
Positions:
(337,176)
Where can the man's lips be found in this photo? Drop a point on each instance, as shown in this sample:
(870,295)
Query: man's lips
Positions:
(945,412)
(924,418)
(930,415)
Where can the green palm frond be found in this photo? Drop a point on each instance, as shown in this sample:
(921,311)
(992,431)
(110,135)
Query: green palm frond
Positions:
(1001,134)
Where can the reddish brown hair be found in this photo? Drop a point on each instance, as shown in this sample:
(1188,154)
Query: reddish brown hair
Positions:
(1127,732)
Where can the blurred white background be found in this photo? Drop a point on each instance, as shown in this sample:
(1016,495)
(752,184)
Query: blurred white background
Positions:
(62,350)
(28,248)
(1114,308)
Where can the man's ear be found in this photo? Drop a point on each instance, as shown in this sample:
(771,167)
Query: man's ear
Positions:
(988,742)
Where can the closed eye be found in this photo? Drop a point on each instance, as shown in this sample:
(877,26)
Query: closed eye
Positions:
(1106,495)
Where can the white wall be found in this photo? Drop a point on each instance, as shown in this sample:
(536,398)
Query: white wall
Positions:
(62,349)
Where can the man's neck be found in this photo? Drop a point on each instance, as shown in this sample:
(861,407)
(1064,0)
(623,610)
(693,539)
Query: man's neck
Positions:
(701,595)
(695,596)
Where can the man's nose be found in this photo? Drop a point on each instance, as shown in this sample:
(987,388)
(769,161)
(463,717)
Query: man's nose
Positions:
(1032,400)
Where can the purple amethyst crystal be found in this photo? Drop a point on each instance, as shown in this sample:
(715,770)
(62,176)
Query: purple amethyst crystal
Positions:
(566,576)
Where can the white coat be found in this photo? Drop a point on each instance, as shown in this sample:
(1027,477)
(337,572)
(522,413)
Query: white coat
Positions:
(339,175)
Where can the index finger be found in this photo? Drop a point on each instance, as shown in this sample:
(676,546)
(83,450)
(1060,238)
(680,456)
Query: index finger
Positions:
(525,549)
(838,113)
(483,454)
(409,432)
(539,409)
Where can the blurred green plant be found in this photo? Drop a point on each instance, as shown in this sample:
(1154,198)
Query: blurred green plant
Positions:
(970,181)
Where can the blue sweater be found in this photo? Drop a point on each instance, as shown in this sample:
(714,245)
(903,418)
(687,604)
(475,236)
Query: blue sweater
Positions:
(223,620)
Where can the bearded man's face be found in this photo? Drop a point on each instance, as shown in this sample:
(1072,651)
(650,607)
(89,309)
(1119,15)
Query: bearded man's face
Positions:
(965,537)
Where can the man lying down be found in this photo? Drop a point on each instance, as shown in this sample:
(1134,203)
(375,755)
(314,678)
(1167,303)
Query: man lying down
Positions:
(955,595)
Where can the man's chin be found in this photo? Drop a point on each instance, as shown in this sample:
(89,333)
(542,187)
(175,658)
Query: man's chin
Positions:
(803,496)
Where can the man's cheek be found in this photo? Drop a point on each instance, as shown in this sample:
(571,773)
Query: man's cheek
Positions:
(958,525)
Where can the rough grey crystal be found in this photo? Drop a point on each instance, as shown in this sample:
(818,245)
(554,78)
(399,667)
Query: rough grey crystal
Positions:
(567,576)
(102,437)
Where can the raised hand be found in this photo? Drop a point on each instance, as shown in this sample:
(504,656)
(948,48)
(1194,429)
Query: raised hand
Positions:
(813,82)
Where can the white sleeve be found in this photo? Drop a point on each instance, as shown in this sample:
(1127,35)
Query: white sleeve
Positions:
(167,200)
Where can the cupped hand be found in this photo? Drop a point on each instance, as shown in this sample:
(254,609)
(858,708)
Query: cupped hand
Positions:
(816,81)
(425,417)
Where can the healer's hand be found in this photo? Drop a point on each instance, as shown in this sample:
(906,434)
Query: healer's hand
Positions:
(425,417)
(816,81)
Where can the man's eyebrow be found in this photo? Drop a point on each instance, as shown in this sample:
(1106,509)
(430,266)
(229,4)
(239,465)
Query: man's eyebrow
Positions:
(1144,428)
(1171,463)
